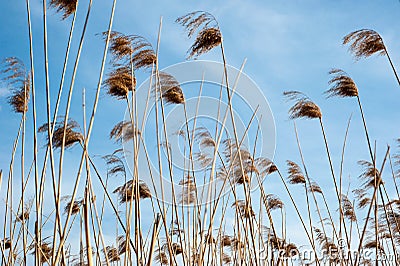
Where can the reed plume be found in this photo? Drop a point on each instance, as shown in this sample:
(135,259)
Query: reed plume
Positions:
(71,135)
(348,209)
(314,187)
(18,79)
(112,253)
(331,250)
(176,248)
(170,88)
(126,191)
(123,132)
(161,257)
(120,82)
(364,43)
(370,175)
(296,176)
(209,36)
(303,107)
(6,243)
(362,198)
(115,164)
(244,209)
(204,138)
(121,242)
(66,7)
(274,202)
(226,259)
(341,85)
(226,241)
(76,206)
(133,50)
(188,194)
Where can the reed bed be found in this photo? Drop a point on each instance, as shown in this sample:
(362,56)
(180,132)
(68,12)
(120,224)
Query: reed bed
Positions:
(108,213)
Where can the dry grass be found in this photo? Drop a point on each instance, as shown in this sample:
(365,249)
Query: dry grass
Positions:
(114,217)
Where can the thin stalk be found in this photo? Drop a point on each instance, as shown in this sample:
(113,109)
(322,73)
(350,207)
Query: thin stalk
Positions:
(87,227)
(370,209)
(392,65)
(62,241)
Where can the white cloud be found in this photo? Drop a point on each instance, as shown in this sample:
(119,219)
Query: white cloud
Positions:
(4,92)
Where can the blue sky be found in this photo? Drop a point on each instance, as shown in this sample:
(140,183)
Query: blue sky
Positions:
(289,45)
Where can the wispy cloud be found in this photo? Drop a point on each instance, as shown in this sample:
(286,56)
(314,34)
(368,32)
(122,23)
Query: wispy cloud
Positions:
(4,91)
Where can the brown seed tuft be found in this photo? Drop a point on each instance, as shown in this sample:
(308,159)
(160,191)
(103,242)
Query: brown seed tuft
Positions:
(370,175)
(112,253)
(295,174)
(76,206)
(348,209)
(341,85)
(71,135)
(209,35)
(314,187)
(303,107)
(206,40)
(132,50)
(120,82)
(170,89)
(364,43)
(274,202)
(244,209)
(66,7)
(19,80)
(126,192)
(161,257)
(123,132)
(226,241)
(188,194)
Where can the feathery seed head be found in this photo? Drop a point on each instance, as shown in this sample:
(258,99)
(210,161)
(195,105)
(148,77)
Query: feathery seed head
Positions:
(123,132)
(71,135)
(364,43)
(209,36)
(295,174)
(66,7)
(16,76)
(170,89)
(126,192)
(120,81)
(341,85)
(303,107)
